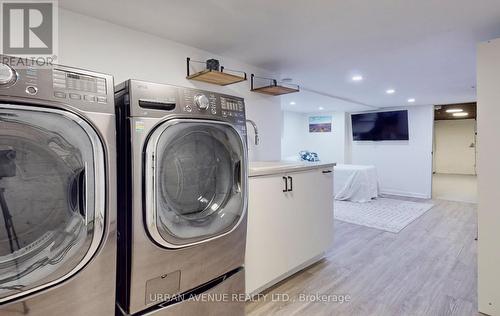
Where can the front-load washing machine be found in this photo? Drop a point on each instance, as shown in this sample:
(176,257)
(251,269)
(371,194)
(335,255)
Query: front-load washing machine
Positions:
(182,211)
(57,190)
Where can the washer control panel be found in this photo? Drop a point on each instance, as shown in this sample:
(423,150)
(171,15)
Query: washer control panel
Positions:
(76,87)
(7,75)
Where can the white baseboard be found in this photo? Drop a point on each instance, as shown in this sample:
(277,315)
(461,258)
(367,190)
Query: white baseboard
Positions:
(407,194)
(285,275)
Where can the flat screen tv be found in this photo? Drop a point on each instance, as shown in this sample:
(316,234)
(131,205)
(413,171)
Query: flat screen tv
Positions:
(378,126)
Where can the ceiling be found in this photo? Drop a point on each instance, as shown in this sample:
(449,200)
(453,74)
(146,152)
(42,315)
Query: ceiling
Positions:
(424,49)
(446,111)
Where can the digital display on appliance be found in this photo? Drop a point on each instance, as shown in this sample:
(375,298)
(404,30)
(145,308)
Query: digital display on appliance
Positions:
(75,76)
(379,126)
(73,81)
(81,83)
(229,104)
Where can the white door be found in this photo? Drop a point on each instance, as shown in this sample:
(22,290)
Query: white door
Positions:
(195,182)
(52,197)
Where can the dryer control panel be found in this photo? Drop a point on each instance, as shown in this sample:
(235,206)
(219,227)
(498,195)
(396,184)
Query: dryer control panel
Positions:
(214,106)
(201,102)
(146,99)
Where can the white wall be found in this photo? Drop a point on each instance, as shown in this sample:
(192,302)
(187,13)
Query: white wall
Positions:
(93,44)
(403,167)
(293,135)
(452,151)
(488,127)
(296,137)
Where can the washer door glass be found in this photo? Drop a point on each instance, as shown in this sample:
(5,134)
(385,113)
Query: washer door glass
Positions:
(48,197)
(199,192)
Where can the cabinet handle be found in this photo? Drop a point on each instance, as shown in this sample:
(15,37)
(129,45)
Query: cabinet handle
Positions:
(291,184)
(327,171)
(286,185)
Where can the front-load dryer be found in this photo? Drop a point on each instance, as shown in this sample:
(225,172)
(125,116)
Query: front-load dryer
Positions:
(182,215)
(57,190)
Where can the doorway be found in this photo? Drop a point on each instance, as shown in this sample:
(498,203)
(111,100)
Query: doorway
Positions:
(454,147)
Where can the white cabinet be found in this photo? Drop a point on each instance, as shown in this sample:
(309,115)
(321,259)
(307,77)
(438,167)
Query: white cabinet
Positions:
(287,230)
(266,229)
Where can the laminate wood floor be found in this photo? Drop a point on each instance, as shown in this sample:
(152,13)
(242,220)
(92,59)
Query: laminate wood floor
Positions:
(429,268)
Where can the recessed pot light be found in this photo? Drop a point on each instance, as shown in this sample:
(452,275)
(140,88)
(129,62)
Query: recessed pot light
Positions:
(453,110)
(390,91)
(357,78)
(411,100)
(321,108)
(292,103)
(461,114)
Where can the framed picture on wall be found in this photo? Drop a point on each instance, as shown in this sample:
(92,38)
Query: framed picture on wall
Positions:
(320,124)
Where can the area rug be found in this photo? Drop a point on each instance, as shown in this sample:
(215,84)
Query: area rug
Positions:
(386,214)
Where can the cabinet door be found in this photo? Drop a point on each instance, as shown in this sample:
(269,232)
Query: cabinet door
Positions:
(265,251)
(309,215)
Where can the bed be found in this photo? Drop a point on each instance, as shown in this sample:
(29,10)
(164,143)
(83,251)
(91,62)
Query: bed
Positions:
(356,183)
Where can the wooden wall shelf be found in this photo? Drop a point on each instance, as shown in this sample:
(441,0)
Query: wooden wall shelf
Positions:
(274,88)
(216,77)
(220,78)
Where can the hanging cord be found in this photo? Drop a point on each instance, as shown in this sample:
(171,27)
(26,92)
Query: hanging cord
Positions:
(9,225)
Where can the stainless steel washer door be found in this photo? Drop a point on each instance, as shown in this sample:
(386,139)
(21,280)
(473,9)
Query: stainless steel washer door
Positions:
(52,193)
(195,182)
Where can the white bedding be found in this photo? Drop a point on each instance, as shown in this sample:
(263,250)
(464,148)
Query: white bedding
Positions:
(356,183)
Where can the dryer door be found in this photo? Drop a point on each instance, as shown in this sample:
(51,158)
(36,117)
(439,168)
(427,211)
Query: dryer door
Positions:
(52,193)
(195,182)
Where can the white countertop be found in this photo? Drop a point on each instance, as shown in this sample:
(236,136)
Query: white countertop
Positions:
(262,168)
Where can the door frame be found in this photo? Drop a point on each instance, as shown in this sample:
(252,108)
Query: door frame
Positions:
(433,152)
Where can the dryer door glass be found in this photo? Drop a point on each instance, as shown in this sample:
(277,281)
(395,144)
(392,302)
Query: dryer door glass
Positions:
(49,182)
(198,181)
